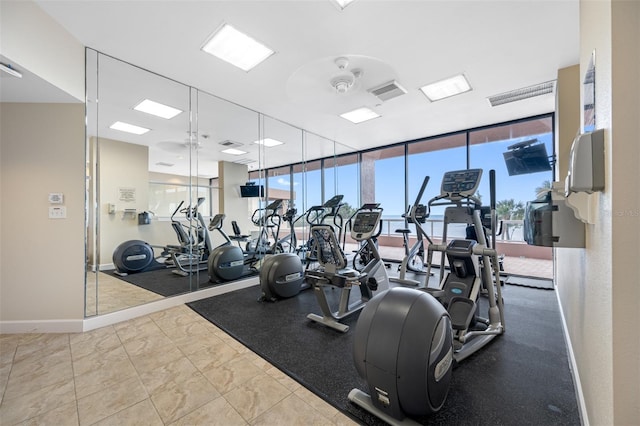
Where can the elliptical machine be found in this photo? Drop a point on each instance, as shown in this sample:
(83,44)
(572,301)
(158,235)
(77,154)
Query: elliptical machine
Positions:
(414,258)
(406,340)
(333,271)
(134,256)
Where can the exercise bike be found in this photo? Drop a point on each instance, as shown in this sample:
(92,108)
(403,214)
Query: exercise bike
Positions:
(406,340)
(413,260)
(334,273)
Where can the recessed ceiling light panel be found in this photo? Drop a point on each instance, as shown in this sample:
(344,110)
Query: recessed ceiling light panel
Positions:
(129,128)
(446,88)
(360,115)
(157,109)
(342,3)
(236,48)
(233,151)
(268,142)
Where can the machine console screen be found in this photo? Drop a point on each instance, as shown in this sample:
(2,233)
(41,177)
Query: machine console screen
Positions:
(365,224)
(461,183)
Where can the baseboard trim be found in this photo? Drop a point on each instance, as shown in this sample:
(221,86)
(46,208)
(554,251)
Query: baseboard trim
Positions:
(43,326)
(582,405)
(99,321)
(91,323)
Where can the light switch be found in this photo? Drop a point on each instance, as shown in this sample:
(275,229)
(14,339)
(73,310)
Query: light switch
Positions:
(57,212)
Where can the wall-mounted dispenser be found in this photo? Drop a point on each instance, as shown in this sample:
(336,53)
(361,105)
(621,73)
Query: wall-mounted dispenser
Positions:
(586,164)
(550,222)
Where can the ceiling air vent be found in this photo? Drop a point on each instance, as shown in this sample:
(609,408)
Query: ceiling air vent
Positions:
(230,144)
(524,93)
(389,90)
(162,163)
(244,161)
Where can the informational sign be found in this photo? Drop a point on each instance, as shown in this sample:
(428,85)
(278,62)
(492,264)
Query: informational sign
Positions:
(128,195)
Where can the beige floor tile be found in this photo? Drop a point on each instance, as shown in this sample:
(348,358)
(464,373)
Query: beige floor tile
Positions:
(284,380)
(215,413)
(101,378)
(42,376)
(144,345)
(191,346)
(41,365)
(187,332)
(99,360)
(152,360)
(176,399)
(232,374)
(292,411)
(135,328)
(175,371)
(213,356)
(141,414)
(65,415)
(112,400)
(326,409)
(100,340)
(340,419)
(43,400)
(40,346)
(256,396)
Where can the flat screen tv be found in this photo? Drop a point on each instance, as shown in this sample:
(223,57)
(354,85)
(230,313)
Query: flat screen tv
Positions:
(248,191)
(527,157)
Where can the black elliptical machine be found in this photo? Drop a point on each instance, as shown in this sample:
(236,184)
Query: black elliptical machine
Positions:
(282,273)
(406,340)
(135,256)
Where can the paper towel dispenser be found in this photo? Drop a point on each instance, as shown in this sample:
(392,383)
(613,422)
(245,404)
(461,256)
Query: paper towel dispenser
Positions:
(549,222)
(586,163)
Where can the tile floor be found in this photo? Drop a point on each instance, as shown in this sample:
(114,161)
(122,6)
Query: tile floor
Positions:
(167,368)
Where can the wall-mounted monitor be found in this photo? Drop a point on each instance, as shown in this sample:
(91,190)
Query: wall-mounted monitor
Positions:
(248,191)
(527,157)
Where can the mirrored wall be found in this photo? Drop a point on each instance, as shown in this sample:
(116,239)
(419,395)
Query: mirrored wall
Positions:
(157,177)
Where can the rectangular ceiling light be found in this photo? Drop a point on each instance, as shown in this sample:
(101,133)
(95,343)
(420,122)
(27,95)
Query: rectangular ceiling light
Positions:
(233,151)
(268,142)
(360,115)
(129,128)
(446,88)
(157,109)
(236,48)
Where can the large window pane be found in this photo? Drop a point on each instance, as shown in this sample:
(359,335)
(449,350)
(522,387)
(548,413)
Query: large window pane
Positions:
(512,192)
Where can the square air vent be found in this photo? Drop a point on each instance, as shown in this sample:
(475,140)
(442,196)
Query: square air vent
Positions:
(389,90)
(230,144)
(524,93)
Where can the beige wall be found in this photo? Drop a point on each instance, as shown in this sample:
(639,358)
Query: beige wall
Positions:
(235,208)
(598,286)
(38,43)
(42,272)
(122,166)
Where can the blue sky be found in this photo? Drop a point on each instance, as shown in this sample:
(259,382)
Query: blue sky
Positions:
(389,177)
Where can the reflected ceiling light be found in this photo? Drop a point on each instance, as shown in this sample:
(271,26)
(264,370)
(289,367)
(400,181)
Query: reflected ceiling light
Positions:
(129,128)
(360,115)
(343,3)
(446,88)
(236,48)
(233,151)
(157,109)
(10,70)
(268,142)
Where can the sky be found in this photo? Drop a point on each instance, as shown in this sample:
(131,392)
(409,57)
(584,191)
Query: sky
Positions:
(389,177)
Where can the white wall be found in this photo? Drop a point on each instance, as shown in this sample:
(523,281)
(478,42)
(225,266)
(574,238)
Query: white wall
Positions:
(42,152)
(598,285)
(235,208)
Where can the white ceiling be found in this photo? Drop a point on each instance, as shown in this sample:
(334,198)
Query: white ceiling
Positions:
(499,46)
